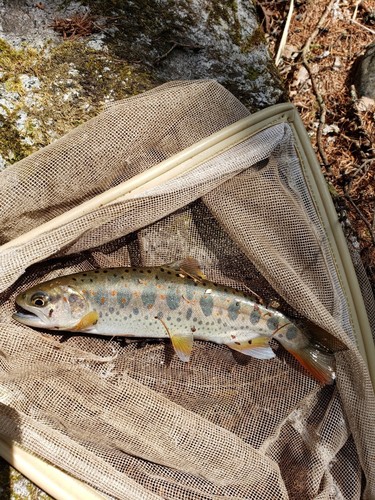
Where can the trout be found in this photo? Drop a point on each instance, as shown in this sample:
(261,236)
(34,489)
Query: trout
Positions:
(164,302)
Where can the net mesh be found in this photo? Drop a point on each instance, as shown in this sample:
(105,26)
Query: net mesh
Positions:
(130,419)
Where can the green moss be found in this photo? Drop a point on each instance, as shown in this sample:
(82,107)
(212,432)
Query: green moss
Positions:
(252,73)
(144,30)
(16,61)
(255,39)
(75,83)
(227,11)
(12,148)
(95,73)
(14,486)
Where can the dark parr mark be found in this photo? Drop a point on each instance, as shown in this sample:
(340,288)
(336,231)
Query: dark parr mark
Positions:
(254,317)
(234,310)
(173,300)
(124,297)
(148,296)
(273,323)
(189,313)
(207,304)
(291,333)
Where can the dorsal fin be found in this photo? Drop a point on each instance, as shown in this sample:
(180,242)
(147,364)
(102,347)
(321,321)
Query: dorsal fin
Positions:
(189,266)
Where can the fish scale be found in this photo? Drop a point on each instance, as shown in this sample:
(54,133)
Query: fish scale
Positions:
(133,301)
(162,302)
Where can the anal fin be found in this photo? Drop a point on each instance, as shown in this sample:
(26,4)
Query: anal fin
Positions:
(257,347)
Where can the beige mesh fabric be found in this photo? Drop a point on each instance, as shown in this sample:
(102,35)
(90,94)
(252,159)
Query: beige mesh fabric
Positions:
(131,419)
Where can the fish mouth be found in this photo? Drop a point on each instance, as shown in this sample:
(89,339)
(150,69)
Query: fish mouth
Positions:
(28,318)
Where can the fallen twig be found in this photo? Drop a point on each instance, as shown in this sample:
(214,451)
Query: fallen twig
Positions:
(175,46)
(361,216)
(285,33)
(361,26)
(319,98)
(356,9)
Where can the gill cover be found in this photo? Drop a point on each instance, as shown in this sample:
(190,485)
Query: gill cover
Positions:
(51,306)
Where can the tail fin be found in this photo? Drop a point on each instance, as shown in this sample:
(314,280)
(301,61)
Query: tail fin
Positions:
(320,364)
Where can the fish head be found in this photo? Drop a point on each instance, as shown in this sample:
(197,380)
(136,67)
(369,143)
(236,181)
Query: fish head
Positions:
(51,305)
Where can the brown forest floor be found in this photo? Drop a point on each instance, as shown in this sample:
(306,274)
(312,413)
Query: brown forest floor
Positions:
(317,64)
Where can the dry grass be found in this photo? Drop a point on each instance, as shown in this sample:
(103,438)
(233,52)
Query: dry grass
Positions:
(77,26)
(346,135)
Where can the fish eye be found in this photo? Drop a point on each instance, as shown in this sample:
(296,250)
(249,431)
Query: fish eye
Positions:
(39,299)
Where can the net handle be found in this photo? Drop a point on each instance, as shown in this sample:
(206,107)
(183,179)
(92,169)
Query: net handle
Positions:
(53,481)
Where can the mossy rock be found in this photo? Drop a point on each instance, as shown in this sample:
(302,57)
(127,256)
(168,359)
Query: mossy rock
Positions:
(48,92)
(14,486)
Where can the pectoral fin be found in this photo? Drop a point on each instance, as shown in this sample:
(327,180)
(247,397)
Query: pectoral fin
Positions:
(257,347)
(86,322)
(182,345)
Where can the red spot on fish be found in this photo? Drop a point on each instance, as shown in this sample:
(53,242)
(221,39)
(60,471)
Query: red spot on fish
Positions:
(65,299)
(162,296)
(149,306)
(113,293)
(123,301)
(102,300)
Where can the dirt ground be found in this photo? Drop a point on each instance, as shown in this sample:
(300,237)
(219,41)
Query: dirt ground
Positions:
(325,39)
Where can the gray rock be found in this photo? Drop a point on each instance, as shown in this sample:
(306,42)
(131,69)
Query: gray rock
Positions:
(196,39)
(364,78)
(138,45)
(23,22)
